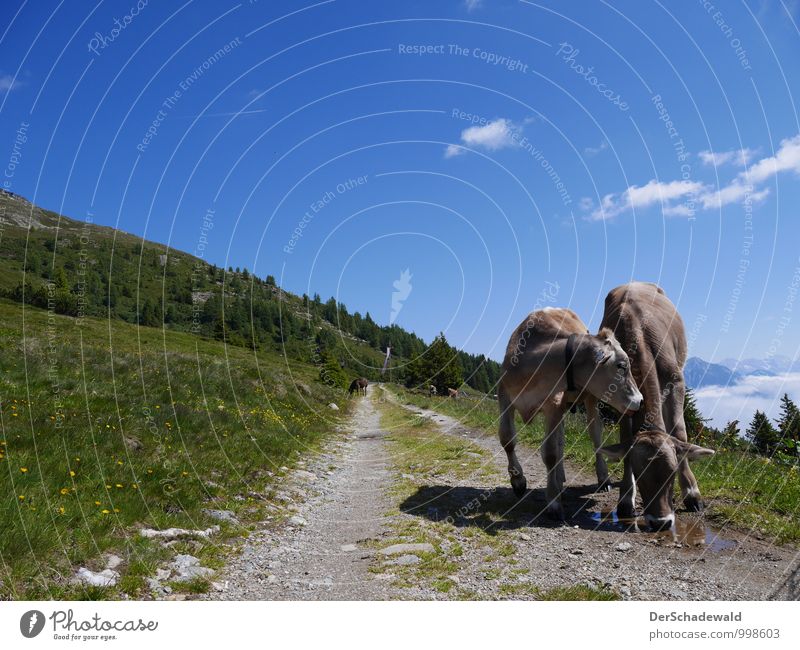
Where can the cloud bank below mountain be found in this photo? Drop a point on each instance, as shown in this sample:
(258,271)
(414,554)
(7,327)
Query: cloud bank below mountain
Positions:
(740,401)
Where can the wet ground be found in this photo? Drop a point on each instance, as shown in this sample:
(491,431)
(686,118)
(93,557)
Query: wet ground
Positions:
(688,530)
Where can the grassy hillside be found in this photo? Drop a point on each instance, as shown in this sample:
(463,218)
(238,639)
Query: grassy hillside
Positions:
(741,488)
(80,269)
(140,385)
(108,427)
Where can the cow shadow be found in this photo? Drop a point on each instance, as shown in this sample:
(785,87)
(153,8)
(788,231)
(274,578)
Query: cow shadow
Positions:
(498,508)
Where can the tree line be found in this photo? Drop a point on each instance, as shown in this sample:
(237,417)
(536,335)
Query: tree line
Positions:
(148,285)
(779,441)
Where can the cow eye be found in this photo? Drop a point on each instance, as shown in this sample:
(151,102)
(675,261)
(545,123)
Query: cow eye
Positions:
(622,365)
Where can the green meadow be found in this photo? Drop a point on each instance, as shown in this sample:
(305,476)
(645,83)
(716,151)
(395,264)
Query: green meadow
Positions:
(108,427)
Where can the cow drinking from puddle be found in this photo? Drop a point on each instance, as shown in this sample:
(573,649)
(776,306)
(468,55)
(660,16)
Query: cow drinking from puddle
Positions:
(552,362)
(653,441)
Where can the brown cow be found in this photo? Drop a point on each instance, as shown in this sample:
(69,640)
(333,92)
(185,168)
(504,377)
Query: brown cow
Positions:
(552,362)
(359,385)
(653,442)
(452,392)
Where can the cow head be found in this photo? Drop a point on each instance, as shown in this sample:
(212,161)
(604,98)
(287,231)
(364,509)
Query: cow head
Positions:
(603,368)
(654,457)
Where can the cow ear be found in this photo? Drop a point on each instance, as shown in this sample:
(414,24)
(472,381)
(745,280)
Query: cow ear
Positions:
(692,452)
(614,452)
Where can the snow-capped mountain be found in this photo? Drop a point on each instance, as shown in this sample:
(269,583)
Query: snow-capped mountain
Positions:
(699,373)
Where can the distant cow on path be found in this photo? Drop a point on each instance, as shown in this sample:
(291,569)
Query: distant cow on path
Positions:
(552,362)
(359,385)
(452,392)
(653,442)
(432,390)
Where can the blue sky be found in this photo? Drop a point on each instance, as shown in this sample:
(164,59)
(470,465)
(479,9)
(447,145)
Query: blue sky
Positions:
(508,154)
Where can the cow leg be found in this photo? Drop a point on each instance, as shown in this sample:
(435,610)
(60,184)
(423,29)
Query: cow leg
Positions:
(626,508)
(553,457)
(648,416)
(676,426)
(508,438)
(596,433)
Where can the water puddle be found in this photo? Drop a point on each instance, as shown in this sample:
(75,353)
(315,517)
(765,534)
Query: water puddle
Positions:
(688,531)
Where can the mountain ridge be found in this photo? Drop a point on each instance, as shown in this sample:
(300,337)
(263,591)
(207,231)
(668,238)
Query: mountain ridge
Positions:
(52,261)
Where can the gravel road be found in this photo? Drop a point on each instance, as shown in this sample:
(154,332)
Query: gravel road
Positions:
(360,525)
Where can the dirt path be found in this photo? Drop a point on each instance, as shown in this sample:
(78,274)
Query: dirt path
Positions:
(316,555)
(421,509)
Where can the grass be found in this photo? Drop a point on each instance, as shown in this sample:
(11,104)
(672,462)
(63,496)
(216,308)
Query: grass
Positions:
(573,592)
(416,451)
(106,428)
(742,490)
(752,492)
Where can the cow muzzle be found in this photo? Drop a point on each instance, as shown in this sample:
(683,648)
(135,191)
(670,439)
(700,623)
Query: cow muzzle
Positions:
(634,405)
(660,523)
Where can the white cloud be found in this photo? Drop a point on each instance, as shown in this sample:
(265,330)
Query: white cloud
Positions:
(593,151)
(787,159)
(739,157)
(732,193)
(739,401)
(644,196)
(471,5)
(678,210)
(654,192)
(8,83)
(742,188)
(495,135)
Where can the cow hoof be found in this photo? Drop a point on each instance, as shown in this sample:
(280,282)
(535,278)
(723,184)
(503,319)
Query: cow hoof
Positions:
(519,484)
(555,512)
(626,511)
(693,503)
(604,485)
